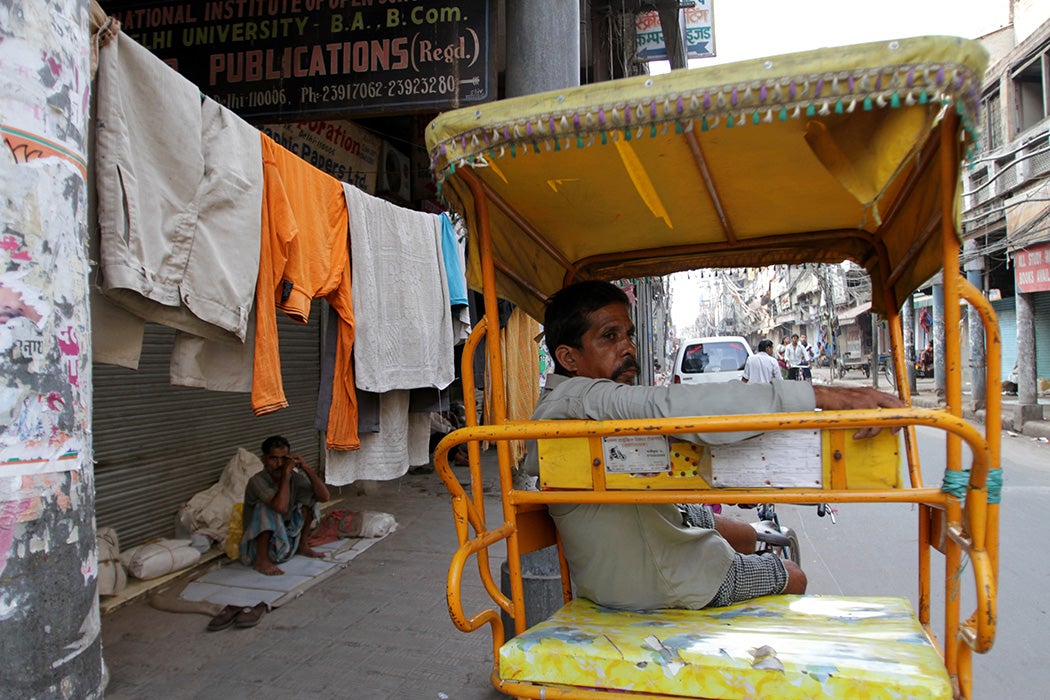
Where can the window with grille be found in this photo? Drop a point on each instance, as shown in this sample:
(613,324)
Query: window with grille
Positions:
(992,138)
(1030,91)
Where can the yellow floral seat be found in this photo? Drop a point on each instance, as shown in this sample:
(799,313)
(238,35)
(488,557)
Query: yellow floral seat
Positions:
(773,647)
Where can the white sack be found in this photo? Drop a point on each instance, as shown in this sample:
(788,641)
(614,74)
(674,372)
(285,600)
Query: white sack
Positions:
(158,558)
(210,509)
(368,523)
(111,576)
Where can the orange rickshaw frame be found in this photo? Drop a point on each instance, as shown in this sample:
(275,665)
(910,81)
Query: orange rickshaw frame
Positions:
(952,524)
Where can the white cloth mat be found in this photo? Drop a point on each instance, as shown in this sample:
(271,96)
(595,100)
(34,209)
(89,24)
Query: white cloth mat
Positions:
(237,584)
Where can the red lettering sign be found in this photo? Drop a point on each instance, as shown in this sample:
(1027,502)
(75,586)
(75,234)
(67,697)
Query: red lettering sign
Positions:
(1032,269)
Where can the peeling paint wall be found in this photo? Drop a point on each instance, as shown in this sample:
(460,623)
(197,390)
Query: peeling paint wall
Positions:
(49,620)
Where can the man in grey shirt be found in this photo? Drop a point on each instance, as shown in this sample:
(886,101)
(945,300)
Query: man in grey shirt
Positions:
(281,508)
(640,556)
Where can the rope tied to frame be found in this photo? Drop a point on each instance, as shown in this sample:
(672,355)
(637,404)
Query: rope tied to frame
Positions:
(104,27)
(956,482)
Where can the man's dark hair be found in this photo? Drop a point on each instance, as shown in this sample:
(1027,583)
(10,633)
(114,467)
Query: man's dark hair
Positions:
(794,336)
(764,345)
(566,317)
(275,441)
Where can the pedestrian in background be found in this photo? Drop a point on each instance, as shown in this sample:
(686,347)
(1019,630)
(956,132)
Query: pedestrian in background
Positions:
(796,357)
(809,356)
(761,368)
(781,356)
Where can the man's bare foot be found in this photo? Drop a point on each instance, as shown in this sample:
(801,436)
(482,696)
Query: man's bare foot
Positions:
(308,552)
(268,568)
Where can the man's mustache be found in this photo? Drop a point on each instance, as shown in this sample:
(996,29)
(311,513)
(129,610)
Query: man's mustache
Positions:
(625,366)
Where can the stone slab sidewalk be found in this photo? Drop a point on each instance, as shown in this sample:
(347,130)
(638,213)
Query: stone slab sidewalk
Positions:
(377,630)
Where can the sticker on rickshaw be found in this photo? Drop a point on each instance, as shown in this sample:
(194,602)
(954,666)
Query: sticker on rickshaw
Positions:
(634,454)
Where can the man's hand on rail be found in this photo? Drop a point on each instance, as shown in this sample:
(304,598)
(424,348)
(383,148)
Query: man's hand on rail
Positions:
(844,399)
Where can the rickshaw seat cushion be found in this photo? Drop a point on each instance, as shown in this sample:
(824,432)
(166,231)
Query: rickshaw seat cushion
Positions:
(783,646)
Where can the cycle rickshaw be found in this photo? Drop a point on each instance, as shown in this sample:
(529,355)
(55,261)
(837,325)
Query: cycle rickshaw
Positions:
(850,153)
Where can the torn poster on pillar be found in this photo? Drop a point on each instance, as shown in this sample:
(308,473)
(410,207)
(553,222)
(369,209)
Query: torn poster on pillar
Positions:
(17,461)
(44,359)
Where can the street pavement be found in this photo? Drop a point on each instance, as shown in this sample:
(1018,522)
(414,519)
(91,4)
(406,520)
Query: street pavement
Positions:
(926,396)
(377,630)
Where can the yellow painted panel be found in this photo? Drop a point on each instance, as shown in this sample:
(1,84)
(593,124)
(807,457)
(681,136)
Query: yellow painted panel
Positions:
(565,464)
(871,463)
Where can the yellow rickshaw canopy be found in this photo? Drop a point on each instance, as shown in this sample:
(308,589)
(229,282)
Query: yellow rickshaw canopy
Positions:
(822,156)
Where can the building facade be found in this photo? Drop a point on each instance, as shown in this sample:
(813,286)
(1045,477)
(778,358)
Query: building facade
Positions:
(1006,202)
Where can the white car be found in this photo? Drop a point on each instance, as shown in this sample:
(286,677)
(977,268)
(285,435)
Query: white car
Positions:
(715,359)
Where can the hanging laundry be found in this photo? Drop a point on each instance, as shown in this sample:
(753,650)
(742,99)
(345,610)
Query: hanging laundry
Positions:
(401,298)
(453,249)
(303,256)
(926,319)
(179,179)
(452,253)
(383,455)
(207,364)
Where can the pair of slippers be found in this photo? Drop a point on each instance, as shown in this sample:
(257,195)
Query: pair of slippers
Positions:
(238,615)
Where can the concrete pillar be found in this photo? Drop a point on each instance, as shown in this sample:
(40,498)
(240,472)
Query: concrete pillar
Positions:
(643,317)
(543,53)
(873,361)
(1028,407)
(49,616)
(938,339)
(975,276)
(543,46)
(671,27)
(908,322)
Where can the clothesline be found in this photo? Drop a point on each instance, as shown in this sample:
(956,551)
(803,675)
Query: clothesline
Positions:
(209,226)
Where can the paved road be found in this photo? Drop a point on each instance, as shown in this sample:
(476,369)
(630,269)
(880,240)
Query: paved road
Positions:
(380,629)
(870,551)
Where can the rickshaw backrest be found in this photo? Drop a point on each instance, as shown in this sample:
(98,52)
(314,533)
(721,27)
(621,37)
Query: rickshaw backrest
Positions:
(782,459)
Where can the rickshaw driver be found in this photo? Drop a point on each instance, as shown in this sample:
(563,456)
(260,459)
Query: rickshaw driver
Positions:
(646,556)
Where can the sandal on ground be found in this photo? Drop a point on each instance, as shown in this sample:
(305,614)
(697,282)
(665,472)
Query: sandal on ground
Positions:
(249,617)
(224,619)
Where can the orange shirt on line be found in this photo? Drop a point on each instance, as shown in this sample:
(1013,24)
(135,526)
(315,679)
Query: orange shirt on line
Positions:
(304,254)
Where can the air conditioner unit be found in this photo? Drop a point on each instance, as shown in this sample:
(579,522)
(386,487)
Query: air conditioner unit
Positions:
(395,173)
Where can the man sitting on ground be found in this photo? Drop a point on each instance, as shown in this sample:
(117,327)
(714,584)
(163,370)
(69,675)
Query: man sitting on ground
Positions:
(648,556)
(281,508)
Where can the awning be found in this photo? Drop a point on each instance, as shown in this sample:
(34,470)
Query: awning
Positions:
(806,284)
(850,315)
(1028,217)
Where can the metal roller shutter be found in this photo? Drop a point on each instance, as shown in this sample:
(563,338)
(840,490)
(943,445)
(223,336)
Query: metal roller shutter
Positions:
(156,445)
(1006,311)
(1041,314)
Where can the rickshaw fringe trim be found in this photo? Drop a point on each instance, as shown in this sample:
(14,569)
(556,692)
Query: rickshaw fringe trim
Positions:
(824,95)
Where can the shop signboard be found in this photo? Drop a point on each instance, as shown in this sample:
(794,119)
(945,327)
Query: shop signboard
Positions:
(1032,269)
(277,60)
(698,24)
(340,148)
